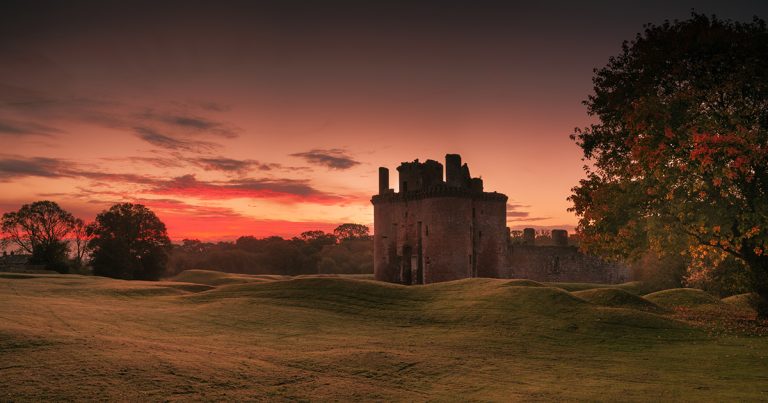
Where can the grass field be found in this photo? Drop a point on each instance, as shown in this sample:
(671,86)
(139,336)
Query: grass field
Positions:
(214,336)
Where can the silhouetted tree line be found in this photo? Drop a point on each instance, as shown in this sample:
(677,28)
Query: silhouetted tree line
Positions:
(129,241)
(126,241)
(348,250)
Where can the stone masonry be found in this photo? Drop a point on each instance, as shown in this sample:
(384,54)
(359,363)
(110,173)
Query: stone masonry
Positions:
(437,229)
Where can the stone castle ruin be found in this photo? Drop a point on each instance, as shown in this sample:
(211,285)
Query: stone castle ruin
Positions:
(437,229)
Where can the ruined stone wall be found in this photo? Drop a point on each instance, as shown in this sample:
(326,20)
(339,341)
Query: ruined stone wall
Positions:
(441,238)
(434,230)
(562,263)
(432,239)
(448,247)
(490,237)
(384,243)
(423,238)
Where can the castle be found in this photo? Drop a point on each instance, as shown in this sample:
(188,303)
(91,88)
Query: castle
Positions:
(436,230)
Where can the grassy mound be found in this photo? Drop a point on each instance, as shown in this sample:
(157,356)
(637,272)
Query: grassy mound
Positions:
(324,338)
(131,289)
(525,306)
(742,301)
(216,278)
(523,283)
(682,297)
(617,298)
(632,287)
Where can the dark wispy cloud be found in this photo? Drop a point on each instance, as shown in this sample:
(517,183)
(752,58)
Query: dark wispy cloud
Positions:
(289,189)
(160,162)
(173,143)
(519,214)
(528,219)
(191,124)
(15,96)
(15,128)
(196,123)
(171,126)
(231,165)
(19,167)
(175,159)
(333,158)
(212,106)
(514,212)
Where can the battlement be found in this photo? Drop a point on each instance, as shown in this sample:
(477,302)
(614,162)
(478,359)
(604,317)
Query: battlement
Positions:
(417,176)
(437,228)
(439,190)
(425,179)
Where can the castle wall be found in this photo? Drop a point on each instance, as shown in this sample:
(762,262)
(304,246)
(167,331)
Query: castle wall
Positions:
(385,243)
(434,230)
(562,263)
(440,238)
(448,247)
(490,237)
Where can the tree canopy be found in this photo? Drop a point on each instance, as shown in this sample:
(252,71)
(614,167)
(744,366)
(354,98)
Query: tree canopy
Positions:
(678,160)
(129,242)
(348,231)
(311,252)
(39,229)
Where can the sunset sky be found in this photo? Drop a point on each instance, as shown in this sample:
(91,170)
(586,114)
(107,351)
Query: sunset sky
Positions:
(232,118)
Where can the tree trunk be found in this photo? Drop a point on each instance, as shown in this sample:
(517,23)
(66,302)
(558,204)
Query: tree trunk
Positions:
(758,266)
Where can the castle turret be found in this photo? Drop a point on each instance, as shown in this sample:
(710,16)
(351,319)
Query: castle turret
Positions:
(453,170)
(560,237)
(383,180)
(529,236)
(430,230)
(476,184)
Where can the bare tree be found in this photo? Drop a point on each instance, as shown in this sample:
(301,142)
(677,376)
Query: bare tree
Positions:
(80,237)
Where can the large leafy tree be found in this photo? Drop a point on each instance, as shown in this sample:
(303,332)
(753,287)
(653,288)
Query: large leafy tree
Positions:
(40,229)
(129,242)
(350,231)
(678,158)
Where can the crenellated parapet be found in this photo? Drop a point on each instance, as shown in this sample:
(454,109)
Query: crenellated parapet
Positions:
(419,180)
(437,229)
(439,190)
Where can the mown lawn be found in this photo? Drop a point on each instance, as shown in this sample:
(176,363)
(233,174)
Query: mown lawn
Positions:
(229,337)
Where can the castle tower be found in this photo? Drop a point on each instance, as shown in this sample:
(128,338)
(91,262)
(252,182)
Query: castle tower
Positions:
(529,236)
(383,180)
(435,230)
(560,237)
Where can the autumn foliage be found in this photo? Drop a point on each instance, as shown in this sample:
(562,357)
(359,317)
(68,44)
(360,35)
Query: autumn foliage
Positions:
(678,161)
